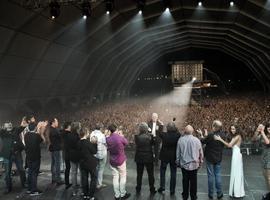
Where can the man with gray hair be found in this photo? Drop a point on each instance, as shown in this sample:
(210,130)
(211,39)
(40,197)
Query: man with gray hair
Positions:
(144,157)
(213,155)
(156,127)
(189,156)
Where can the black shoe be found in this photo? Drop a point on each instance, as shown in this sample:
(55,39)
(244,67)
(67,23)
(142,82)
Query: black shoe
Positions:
(161,190)
(59,183)
(153,192)
(7,191)
(210,197)
(68,186)
(172,193)
(117,198)
(127,195)
(220,196)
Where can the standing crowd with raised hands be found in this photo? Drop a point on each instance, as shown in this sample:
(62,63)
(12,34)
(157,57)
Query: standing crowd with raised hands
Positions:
(157,145)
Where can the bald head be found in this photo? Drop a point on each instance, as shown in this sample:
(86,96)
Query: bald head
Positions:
(189,130)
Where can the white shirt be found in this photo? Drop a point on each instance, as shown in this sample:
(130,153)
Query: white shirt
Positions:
(154,129)
(101,144)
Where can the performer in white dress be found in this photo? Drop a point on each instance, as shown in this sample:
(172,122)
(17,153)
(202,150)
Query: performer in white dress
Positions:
(237,175)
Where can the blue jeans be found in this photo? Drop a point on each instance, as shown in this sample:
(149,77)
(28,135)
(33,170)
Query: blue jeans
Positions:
(163,167)
(7,163)
(55,166)
(17,159)
(213,173)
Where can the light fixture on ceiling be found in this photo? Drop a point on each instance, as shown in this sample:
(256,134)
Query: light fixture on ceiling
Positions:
(54,9)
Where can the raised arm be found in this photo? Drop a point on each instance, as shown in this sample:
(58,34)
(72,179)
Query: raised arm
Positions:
(232,142)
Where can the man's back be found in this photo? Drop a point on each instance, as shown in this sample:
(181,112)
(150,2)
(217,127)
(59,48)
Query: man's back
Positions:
(213,148)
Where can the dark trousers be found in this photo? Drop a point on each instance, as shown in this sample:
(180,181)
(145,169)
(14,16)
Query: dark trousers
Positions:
(150,172)
(55,166)
(17,159)
(85,184)
(33,170)
(7,167)
(163,167)
(189,184)
(67,171)
(157,149)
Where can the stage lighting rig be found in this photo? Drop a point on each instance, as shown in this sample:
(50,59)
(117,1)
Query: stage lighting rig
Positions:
(141,5)
(54,9)
(167,4)
(109,6)
(86,9)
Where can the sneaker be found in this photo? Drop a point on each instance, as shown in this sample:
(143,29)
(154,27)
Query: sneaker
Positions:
(101,186)
(210,197)
(36,193)
(117,198)
(126,196)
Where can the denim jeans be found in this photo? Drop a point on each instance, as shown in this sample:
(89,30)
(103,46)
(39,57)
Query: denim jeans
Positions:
(163,167)
(119,180)
(7,167)
(74,174)
(214,174)
(100,169)
(33,170)
(18,160)
(55,166)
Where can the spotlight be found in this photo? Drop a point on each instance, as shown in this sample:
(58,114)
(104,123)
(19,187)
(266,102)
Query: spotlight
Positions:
(109,6)
(200,3)
(86,9)
(231,3)
(193,79)
(108,12)
(167,4)
(140,12)
(140,5)
(55,9)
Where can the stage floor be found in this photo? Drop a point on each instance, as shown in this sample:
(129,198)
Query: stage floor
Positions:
(254,182)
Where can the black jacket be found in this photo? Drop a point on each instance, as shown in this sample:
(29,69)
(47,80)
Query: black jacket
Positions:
(72,151)
(213,148)
(144,148)
(55,139)
(17,146)
(169,145)
(6,144)
(158,132)
(87,150)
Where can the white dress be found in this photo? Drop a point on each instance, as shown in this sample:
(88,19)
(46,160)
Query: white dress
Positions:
(237,175)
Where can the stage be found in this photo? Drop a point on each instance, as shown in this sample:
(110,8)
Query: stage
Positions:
(254,182)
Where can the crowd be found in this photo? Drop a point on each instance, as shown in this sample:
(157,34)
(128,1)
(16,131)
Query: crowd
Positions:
(88,134)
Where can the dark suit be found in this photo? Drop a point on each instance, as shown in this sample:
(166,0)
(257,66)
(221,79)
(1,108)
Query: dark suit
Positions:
(157,139)
(168,156)
(144,158)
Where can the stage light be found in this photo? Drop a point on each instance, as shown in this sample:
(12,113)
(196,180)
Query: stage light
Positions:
(200,3)
(231,3)
(109,4)
(140,5)
(108,12)
(86,9)
(167,4)
(193,79)
(140,12)
(55,9)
